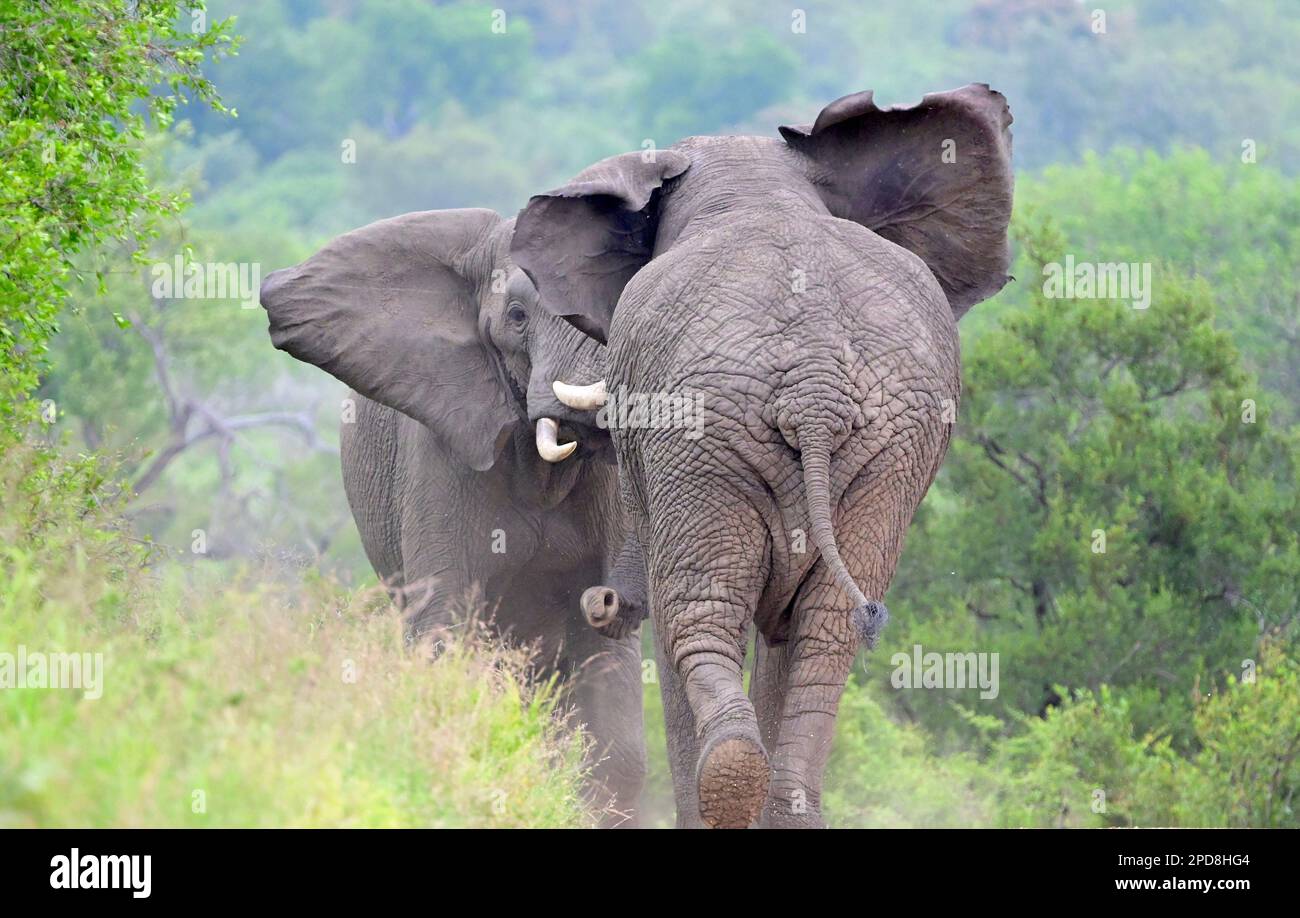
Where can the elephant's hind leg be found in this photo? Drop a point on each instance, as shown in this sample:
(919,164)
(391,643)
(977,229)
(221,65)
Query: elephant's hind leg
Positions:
(732,773)
(767,687)
(817,661)
(679,730)
(709,564)
(824,641)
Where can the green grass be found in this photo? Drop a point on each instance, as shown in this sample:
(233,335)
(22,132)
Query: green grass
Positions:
(252,698)
(265,697)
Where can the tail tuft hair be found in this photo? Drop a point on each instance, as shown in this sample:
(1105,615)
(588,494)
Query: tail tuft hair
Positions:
(868,616)
(869,620)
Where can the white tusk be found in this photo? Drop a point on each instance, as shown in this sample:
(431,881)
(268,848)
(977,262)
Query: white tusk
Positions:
(584,398)
(547,447)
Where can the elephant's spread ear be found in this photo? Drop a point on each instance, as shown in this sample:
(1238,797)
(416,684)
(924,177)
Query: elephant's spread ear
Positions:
(934,178)
(582,243)
(391,309)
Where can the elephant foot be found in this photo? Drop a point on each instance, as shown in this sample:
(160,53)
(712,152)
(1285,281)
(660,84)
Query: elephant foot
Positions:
(733,777)
(605,611)
(776,818)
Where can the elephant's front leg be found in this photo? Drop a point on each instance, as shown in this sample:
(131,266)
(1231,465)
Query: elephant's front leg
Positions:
(430,600)
(605,691)
(440,580)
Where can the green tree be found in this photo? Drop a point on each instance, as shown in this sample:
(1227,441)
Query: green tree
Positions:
(1235,224)
(1114,508)
(78,94)
(694,84)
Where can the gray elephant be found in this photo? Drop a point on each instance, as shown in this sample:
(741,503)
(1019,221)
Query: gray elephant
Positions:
(452,459)
(807,290)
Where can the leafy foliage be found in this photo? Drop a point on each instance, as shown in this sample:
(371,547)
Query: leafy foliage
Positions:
(77,94)
(1083,764)
(1109,512)
(1235,225)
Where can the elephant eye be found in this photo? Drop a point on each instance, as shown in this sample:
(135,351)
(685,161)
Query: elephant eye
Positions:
(516,313)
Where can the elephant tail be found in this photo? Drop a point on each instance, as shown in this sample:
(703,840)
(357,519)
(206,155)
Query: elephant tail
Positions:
(869,616)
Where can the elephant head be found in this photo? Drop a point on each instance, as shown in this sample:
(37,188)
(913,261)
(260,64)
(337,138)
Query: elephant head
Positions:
(934,178)
(426,314)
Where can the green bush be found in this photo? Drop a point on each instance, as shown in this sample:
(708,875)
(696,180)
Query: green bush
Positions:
(883,774)
(1082,764)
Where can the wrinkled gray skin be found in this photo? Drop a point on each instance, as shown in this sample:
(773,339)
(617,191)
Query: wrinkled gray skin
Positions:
(809,288)
(451,360)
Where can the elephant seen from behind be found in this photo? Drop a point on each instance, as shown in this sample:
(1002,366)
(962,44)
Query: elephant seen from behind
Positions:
(808,289)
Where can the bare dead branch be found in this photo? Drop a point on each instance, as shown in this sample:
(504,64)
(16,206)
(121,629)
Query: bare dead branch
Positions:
(182,409)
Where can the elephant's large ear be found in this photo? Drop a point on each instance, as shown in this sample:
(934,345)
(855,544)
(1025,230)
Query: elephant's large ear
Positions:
(934,178)
(582,243)
(391,309)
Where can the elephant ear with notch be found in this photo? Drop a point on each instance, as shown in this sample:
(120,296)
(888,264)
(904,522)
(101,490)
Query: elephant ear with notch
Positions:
(391,309)
(581,243)
(934,178)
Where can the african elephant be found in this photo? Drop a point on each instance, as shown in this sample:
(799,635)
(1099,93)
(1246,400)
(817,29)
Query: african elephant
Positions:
(451,452)
(807,290)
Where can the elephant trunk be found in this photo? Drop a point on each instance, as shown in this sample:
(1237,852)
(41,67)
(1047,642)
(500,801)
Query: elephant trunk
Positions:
(562,355)
(869,616)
